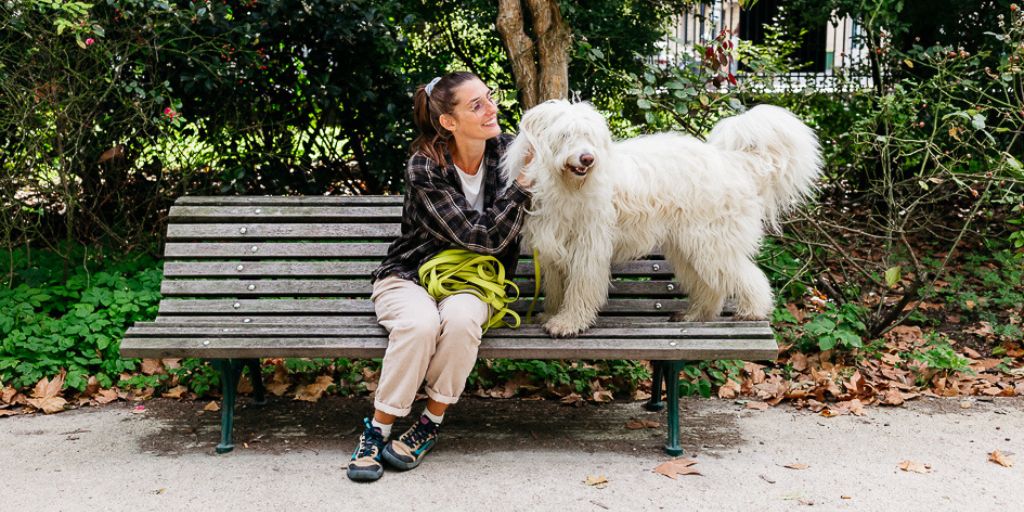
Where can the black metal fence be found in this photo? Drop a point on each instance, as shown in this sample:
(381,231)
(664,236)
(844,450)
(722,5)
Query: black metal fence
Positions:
(829,58)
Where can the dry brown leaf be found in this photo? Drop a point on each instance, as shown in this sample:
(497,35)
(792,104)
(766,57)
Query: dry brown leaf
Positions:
(597,481)
(799,361)
(313,392)
(572,399)
(91,386)
(796,465)
(152,367)
(797,313)
(602,396)
(171,363)
(731,389)
(175,392)
(9,412)
(675,467)
(892,396)
(278,388)
(212,407)
(8,394)
(635,424)
(105,396)
(46,395)
(757,406)
(916,467)
(1000,458)
(244,385)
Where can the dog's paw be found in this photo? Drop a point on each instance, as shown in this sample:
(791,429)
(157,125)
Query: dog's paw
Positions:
(560,328)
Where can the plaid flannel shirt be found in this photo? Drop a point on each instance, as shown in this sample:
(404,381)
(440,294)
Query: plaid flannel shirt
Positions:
(436,215)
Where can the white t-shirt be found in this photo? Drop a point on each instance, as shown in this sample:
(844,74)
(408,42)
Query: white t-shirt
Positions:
(472,186)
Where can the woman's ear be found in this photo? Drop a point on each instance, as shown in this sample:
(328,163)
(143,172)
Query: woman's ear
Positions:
(447,122)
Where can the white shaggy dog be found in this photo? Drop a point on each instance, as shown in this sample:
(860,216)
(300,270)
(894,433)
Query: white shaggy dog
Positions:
(597,202)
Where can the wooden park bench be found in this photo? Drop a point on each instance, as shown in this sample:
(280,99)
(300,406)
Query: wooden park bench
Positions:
(252,277)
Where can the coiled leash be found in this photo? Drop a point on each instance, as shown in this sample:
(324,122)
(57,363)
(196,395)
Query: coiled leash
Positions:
(460,271)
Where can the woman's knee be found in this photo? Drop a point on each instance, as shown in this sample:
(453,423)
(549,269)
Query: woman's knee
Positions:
(425,327)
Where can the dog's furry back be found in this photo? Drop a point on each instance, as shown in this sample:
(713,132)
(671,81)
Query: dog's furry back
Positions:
(786,149)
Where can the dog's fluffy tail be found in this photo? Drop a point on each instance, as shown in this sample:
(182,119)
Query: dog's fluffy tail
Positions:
(786,148)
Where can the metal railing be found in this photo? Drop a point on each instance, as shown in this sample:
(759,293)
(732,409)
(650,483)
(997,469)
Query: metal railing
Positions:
(829,58)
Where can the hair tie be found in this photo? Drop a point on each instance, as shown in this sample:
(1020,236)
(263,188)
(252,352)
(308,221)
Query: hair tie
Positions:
(430,87)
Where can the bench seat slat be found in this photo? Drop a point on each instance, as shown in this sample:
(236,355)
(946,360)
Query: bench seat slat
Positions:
(645,268)
(371,319)
(347,306)
(207,250)
(290,200)
(264,213)
(287,231)
(750,349)
(360,287)
(526,331)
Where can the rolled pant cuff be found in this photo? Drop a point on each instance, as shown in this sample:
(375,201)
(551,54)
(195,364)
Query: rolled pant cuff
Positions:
(438,397)
(394,411)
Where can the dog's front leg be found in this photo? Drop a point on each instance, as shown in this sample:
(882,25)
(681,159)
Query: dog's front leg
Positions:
(586,290)
(553,283)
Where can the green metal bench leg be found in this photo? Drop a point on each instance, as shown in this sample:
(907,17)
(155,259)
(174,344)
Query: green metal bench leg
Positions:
(655,403)
(229,370)
(256,376)
(672,447)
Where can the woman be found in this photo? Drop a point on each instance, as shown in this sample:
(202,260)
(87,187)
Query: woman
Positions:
(455,197)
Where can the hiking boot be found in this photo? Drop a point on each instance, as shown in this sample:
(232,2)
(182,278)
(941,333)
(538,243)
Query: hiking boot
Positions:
(365,465)
(408,450)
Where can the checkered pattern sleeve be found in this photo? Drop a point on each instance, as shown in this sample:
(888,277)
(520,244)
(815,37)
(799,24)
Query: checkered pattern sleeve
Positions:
(446,214)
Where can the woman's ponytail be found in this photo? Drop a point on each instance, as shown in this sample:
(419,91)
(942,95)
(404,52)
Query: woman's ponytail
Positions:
(432,138)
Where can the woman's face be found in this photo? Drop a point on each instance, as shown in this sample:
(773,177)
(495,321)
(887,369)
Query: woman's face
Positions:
(475,116)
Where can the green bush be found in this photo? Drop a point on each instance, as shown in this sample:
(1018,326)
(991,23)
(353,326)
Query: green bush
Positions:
(74,321)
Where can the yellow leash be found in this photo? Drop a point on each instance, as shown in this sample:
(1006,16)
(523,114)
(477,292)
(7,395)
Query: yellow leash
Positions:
(460,271)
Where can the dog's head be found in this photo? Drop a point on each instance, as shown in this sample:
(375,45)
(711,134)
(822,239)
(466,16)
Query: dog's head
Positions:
(569,142)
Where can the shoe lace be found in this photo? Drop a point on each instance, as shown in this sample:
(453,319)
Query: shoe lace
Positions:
(420,433)
(371,440)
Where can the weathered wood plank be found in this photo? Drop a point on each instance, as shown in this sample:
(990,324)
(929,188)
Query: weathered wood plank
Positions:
(186,320)
(209,250)
(676,331)
(268,214)
(362,287)
(514,348)
(349,306)
(290,200)
(288,231)
(643,268)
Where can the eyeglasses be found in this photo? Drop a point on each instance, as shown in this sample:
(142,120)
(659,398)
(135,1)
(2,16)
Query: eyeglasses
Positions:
(493,97)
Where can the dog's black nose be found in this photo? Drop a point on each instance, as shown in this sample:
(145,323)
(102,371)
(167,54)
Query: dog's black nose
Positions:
(587,159)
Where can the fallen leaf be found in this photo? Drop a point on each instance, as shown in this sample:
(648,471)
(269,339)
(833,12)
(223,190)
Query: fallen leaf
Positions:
(278,388)
(799,361)
(9,412)
(635,424)
(105,396)
(602,396)
(916,467)
(313,392)
(572,399)
(1000,458)
(46,395)
(845,497)
(244,385)
(174,392)
(171,364)
(675,467)
(152,367)
(892,396)
(731,389)
(91,386)
(757,406)
(7,394)
(796,465)
(597,481)
(212,407)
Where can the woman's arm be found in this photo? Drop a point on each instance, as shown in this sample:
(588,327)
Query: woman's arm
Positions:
(450,217)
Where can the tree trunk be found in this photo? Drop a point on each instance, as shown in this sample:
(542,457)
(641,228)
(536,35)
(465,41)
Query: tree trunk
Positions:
(546,77)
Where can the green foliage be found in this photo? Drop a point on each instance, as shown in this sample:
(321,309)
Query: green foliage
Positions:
(50,322)
(837,327)
(700,377)
(940,356)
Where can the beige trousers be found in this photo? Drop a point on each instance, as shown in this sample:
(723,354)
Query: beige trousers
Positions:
(427,339)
